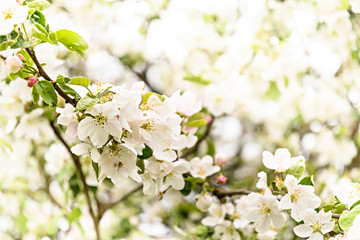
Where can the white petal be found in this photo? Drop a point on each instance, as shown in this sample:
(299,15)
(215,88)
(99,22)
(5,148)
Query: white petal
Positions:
(303,230)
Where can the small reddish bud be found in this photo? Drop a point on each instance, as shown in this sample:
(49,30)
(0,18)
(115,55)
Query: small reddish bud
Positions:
(221,179)
(31,82)
(21,57)
(208,119)
(220,159)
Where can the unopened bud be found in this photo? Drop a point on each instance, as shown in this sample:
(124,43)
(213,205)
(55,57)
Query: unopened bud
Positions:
(21,57)
(221,179)
(208,119)
(204,202)
(13,64)
(220,159)
(31,82)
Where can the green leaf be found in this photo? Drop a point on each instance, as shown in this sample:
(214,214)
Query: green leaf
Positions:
(35,95)
(61,81)
(195,180)
(74,185)
(347,218)
(197,123)
(72,41)
(28,59)
(39,4)
(273,92)
(187,188)
(147,152)
(297,169)
(52,38)
(82,81)
(86,102)
(329,207)
(8,40)
(38,18)
(100,95)
(47,92)
(96,169)
(21,43)
(339,208)
(355,204)
(74,215)
(140,164)
(196,79)
(13,76)
(309,180)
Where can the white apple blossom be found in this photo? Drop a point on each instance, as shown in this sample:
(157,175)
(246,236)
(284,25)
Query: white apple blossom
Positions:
(354,231)
(315,224)
(102,122)
(204,202)
(11,13)
(279,162)
(217,214)
(174,173)
(13,64)
(298,198)
(263,210)
(226,231)
(203,167)
(186,103)
(68,118)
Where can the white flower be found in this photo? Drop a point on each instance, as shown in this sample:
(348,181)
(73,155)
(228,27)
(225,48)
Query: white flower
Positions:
(11,13)
(174,173)
(204,202)
(299,198)
(104,121)
(186,103)
(354,231)
(68,118)
(217,214)
(118,162)
(86,149)
(281,161)
(13,64)
(226,231)
(348,192)
(262,183)
(203,167)
(315,224)
(262,210)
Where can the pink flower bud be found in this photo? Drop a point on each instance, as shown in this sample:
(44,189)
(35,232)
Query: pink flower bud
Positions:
(31,82)
(13,64)
(208,119)
(21,57)
(221,179)
(204,202)
(220,159)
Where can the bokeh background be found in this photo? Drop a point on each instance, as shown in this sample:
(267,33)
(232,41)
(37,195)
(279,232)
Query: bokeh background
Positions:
(273,73)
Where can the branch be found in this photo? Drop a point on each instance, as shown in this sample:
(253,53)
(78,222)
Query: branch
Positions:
(80,172)
(43,74)
(197,144)
(2,57)
(123,198)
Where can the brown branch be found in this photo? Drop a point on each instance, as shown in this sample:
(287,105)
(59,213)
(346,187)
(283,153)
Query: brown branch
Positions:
(106,206)
(200,140)
(80,172)
(2,57)
(43,74)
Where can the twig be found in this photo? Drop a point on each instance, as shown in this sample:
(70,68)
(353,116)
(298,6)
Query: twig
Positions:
(42,73)
(80,172)
(2,57)
(123,198)
(197,144)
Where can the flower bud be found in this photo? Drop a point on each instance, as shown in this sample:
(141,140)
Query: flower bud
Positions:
(203,202)
(31,82)
(21,57)
(13,64)
(221,179)
(208,119)
(220,159)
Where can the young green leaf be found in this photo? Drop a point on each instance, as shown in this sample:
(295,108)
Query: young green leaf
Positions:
(72,41)
(39,4)
(21,43)
(82,81)
(347,218)
(47,92)
(196,79)
(8,40)
(62,82)
(35,95)
(86,102)
(197,123)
